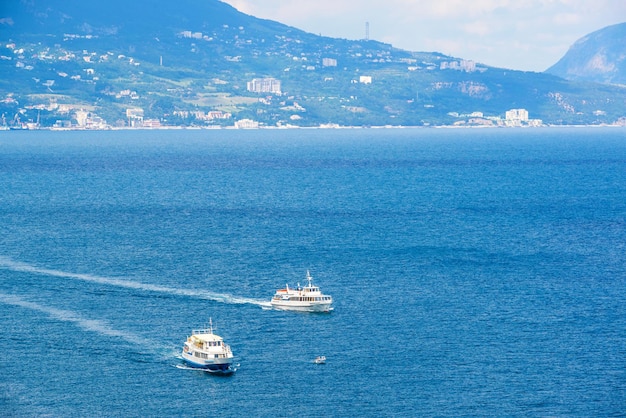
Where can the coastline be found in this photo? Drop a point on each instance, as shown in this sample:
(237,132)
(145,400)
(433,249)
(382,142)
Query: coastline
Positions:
(337,127)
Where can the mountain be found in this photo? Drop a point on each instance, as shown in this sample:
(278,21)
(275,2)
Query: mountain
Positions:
(598,57)
(123,18)
(203,63)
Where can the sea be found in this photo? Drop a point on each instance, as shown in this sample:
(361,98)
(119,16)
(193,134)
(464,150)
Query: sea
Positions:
(474,272)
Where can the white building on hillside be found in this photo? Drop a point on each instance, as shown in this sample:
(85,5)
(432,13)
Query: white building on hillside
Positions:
(246,124)
(264,85)
(520,115)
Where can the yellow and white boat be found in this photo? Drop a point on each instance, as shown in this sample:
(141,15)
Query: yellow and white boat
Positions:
(206,350)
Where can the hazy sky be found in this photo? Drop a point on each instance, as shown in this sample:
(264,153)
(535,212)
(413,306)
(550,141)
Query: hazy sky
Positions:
(528,35)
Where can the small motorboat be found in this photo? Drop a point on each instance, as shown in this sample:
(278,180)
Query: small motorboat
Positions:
(320,360)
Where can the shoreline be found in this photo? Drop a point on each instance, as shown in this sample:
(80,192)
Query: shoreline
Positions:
(218,128)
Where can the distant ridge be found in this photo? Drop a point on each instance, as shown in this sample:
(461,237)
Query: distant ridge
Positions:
(599,57)
(126,18)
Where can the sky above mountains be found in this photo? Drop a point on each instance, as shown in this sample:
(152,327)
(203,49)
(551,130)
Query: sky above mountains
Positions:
(528,35)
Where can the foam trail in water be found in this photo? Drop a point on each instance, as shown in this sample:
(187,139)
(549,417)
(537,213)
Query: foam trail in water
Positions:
(92,325)
(129,284)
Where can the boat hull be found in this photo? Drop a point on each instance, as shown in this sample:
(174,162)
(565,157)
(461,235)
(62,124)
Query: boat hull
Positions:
(223,366)
(302,307)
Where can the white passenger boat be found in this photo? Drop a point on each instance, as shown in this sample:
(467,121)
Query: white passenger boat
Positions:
(320,360)
(206,350)
(306,299)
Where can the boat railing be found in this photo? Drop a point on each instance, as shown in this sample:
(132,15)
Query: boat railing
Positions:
(202,331)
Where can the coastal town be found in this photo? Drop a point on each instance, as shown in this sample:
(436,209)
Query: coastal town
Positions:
(86,120)
(78,116)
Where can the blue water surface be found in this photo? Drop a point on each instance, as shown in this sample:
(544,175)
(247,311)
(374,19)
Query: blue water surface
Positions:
(474,272)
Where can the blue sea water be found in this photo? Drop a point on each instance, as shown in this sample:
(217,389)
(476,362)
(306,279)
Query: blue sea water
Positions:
(474,272)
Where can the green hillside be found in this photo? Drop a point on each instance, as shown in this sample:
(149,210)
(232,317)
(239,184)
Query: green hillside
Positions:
(195,62)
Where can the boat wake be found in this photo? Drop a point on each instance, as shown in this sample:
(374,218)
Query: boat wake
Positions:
(92,325)
(9,264)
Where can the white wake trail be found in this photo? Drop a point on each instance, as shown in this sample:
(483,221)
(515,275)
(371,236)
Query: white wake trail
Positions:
(9,264)
(92,325)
